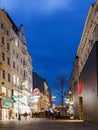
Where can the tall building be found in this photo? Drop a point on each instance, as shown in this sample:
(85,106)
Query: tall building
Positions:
(84,78)
(42,94)
(15,69)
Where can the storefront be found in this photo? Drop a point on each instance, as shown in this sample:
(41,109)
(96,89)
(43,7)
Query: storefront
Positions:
(6,108)
(20,105)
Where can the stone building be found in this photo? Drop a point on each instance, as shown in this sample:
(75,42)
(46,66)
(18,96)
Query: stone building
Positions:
(42,94)
(15,69)
(84,78)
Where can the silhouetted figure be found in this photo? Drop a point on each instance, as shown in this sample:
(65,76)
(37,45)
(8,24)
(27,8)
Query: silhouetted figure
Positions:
(25,115)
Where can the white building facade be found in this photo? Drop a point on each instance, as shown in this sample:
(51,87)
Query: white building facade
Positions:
(15,69)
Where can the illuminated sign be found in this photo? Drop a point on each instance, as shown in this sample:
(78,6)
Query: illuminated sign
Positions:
(80,88)
(36,91)
(7,103)
(0,96)
(16,96)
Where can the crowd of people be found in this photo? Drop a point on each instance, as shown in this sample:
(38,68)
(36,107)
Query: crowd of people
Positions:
(49,114)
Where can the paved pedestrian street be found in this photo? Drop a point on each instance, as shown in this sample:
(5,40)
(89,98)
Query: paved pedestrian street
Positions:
(45,124)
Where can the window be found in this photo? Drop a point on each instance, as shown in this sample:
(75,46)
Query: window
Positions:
(14,79)
(8,77)
(17,68)
(2,25)
(17,55)
(3,74)
(8,61)
(8,46)
(26,63)
(4,90)
(3,56)
(14,52)
(23,62)
(17,81)
(3,40)
(8,32)
(9,93)
(24,73)
(16,42)
(14,65)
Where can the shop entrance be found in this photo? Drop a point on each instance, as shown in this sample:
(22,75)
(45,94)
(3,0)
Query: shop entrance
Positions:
(81,108)
(4,113)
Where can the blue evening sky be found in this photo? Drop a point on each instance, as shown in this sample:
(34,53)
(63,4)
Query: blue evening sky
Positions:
(53,30)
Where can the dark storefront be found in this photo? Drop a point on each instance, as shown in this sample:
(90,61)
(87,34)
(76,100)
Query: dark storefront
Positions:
(88,80)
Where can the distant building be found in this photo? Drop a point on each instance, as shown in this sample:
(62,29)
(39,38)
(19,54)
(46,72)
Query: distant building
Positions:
(15,69)
(38,82)
(42,94)
(84,78)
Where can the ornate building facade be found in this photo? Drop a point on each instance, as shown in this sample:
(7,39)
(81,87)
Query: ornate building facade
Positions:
(84,78)
(42,95)
(15,69)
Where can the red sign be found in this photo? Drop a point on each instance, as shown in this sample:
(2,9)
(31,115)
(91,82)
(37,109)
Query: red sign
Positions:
(0,96)
(36,91)
(80,88)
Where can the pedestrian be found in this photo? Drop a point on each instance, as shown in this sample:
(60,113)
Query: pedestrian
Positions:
(25,115)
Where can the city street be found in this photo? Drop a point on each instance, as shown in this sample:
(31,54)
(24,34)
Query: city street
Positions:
(45,124)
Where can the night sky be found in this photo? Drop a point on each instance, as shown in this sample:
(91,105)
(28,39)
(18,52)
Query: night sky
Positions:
(53,30)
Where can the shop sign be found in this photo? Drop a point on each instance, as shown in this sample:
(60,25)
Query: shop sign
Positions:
(7,103)
(0,96)
(80,88)
(16,96)
(36,91)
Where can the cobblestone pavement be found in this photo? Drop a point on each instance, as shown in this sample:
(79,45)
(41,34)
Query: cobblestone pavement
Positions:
(45,124)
